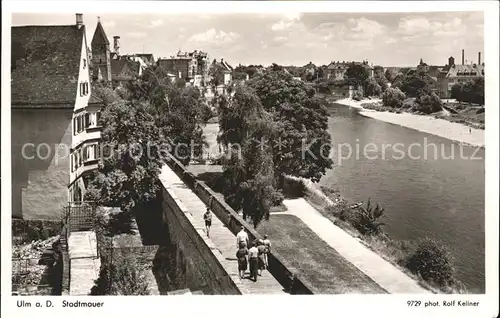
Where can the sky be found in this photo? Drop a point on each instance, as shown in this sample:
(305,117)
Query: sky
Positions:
(387,39)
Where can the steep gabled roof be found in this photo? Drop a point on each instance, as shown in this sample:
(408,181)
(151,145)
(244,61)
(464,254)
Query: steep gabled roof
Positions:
(464,70)
(118,66)
(99,37)
(45,64)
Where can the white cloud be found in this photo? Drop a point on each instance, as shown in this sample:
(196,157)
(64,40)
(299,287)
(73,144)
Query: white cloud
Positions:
(289,20)
(415,25)
(390,40)
(214,36)
(365,29)
(109,24)
(137,34)
(281,25)
(155,23)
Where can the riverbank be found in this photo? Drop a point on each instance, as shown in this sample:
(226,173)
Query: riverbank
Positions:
(434,126)
(393,251)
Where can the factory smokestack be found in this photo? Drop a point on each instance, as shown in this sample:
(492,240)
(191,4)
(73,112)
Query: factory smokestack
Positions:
(463,57)
(479,58)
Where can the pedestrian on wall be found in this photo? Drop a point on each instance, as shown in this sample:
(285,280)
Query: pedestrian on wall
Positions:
(242,236)
(253,259)
(241,255)
(267,244)
(208,220)
(261,248)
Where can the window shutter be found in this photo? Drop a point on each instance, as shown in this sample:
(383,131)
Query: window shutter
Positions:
(74,126)
(98,116)
(98,151)
(87,120)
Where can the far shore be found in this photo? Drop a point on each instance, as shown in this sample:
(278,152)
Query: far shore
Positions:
(428,124)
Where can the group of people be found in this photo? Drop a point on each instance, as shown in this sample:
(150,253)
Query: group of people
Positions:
(254,257)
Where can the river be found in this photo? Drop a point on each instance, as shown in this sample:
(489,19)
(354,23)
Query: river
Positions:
(425,190)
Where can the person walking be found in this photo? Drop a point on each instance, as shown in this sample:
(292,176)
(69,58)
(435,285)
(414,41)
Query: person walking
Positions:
(253,259)
(208,220)
(261,248)
(242,236)
(267,244)
(241,255)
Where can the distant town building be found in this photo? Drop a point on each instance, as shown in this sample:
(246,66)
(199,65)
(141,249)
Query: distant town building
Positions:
(453,73)
(227,71)
(55,132)
(336,70)
(186,65)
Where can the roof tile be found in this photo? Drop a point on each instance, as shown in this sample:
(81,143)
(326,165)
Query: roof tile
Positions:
(45,63)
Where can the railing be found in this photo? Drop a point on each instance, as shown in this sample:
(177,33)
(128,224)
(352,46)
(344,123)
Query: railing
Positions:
(79,216)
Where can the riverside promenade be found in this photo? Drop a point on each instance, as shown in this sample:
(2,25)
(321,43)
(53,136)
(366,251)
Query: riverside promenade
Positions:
(386,275)
(222,242)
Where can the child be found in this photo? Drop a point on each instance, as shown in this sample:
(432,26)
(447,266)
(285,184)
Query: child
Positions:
(208,220)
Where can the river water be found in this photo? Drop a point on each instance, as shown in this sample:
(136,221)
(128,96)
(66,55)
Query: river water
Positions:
(428,185)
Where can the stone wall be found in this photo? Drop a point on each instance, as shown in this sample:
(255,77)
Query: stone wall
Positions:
(277,266)
(187,257)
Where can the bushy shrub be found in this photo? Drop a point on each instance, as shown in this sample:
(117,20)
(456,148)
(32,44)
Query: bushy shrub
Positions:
(365,220)
(24,231)
(393,97)
(357,95)
(123,277)
(294,188)
(432,261)
(428,104)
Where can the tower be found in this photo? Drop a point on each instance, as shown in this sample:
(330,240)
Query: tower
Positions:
(101,55)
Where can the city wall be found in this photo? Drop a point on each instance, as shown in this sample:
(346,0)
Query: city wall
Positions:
(193,247)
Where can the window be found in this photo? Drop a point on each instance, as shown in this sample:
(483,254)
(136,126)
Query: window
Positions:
(87,120)
(98,116)
(84,63)
(85,153)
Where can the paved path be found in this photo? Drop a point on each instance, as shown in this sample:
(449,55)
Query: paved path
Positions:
(221,241)
(381,271)
(84,263)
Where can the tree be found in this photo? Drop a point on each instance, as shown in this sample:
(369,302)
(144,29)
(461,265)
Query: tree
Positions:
(239,75)
(390,75)
(372,87)
(415,84)
(246,130)
(457,91)
(469,92)
(428,104)
(393,97)
(128,172)
(398,80)
(216,75)
(356,75)
(303,143)
(179,112)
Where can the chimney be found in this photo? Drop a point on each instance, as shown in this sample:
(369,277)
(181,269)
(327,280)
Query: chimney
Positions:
(79,20)
(116,44)
(479,58)
(463,56)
